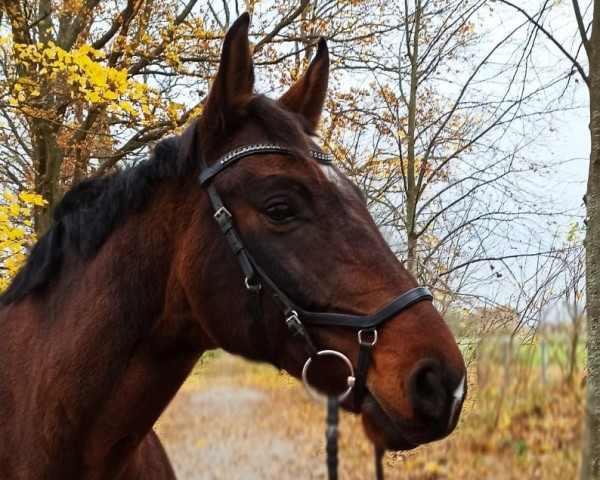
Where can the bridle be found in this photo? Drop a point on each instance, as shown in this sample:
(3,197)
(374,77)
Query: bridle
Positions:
(295,316)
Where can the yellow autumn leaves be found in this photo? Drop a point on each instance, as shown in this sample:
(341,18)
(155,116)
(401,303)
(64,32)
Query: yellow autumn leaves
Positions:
(82,74)
(16,232)
(79,73)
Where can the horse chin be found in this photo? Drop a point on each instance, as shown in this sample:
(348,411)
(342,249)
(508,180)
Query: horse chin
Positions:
(389,434)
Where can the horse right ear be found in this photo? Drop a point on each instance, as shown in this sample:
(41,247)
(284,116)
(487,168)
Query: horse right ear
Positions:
(307,95)
(233,85)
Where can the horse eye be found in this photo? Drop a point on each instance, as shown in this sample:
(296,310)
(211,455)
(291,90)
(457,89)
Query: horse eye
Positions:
(280,212)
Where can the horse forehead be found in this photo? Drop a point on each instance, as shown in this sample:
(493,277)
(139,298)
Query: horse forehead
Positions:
(333,175)
(337,178)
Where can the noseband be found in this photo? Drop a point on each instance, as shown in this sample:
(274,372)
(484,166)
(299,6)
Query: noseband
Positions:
(295,316)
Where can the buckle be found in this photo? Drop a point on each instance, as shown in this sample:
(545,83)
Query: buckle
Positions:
(221,212)
(293,322)
(252,287)
(373,341)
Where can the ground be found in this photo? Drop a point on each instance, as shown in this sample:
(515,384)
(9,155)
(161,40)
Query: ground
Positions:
(235,420)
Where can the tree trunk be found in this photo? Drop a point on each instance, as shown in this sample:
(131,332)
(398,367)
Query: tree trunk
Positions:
(48,160)
(590,468)
(411,184)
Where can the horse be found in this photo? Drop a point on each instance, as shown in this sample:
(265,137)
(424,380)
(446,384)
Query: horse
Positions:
(135,279)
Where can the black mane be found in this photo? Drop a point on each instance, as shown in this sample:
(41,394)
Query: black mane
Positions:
(89,213)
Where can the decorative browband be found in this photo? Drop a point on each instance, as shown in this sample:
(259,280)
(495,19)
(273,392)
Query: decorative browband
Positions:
(253,149)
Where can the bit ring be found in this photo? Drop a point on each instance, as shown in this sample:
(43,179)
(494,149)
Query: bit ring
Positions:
(319,396)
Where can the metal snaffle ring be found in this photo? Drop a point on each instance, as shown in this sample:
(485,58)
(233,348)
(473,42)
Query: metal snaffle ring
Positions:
(313,392)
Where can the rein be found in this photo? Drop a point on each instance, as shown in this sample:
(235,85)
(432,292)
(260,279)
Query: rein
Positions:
(296,317)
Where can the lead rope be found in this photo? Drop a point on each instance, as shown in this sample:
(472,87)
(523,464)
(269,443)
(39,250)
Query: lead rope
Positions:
(379,463)
(333,403)
(332,434)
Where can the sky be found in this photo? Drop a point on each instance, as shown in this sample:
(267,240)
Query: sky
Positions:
(573,143)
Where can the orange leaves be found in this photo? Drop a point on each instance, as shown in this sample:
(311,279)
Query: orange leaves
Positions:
(383,166)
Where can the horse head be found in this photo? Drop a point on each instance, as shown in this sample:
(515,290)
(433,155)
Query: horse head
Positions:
(304,239)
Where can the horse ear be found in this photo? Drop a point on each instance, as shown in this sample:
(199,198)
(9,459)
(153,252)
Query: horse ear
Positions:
(232,87)
(307,95)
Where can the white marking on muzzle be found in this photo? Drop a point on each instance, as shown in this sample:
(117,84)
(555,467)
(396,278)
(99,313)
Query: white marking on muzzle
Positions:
(459,396)
(459,393)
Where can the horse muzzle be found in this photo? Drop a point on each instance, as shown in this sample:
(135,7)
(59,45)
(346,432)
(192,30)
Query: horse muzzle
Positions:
(435,401)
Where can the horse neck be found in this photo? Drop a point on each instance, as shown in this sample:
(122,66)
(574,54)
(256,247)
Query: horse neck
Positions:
(100,355)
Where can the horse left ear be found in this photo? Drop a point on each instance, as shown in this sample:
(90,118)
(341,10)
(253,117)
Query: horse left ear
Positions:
(307,95)
(233,84)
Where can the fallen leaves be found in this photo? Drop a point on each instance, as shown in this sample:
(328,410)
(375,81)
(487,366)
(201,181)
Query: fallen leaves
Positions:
(235,419)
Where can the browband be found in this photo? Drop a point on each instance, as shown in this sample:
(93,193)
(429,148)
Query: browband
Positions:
(247,150)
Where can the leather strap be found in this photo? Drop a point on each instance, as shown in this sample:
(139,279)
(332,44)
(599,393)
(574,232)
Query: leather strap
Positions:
(379,463)
(361,322)
(367,322)
(237,154)
(364,358)
(295,316)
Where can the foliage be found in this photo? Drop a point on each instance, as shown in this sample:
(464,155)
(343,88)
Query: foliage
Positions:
(439,155)
(83,85)
(16,232)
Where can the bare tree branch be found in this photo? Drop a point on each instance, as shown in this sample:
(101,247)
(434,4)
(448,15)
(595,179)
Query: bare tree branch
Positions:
(281,25)
(551,37)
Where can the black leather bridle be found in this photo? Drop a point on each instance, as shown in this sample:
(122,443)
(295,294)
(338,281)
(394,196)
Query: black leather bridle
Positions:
(295,316)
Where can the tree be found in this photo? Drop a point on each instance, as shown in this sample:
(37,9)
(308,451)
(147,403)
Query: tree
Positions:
(591,441)
(588,47)
(436,127)
(86,84)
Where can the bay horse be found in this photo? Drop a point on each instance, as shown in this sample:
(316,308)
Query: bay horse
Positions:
(135,280)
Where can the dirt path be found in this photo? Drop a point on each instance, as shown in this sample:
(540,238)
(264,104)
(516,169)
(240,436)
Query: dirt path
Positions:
(237,420)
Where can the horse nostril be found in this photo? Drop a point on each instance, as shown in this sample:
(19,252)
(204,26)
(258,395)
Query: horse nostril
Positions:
(426,389)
